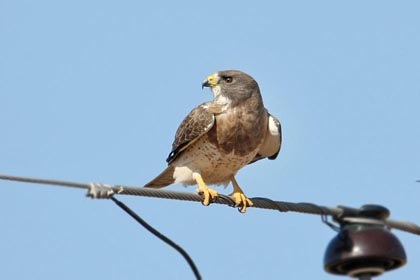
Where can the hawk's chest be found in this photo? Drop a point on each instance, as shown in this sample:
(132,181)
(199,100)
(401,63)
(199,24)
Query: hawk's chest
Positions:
(213,163)
(239,132)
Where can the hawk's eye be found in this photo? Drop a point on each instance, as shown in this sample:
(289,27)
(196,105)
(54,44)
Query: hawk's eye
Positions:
(228,79)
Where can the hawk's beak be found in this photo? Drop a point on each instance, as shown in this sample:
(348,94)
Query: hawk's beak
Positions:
(205,83)
(211,81)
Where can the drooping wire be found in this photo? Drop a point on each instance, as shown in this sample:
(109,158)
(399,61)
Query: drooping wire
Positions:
(159,235)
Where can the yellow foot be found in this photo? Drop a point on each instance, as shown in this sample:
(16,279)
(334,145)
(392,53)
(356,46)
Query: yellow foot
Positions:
(208,194)
(240,198)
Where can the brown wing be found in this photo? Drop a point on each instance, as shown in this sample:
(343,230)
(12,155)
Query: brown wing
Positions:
(270,148)
(198,122)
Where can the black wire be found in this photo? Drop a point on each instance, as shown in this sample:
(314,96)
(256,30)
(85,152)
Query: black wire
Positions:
(160,236)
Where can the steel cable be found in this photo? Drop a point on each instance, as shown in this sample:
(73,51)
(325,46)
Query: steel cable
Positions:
(259,202)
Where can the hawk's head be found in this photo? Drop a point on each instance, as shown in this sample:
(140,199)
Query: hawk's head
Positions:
(233,85)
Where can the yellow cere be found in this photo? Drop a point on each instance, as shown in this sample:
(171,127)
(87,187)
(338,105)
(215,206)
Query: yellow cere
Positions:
(212,80)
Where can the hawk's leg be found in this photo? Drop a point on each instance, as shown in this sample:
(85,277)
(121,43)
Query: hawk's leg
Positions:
(239,196)
(209,194)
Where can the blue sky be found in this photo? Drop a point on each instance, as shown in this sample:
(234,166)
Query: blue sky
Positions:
(95,90)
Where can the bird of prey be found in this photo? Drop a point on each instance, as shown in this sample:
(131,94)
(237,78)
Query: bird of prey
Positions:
(220,137)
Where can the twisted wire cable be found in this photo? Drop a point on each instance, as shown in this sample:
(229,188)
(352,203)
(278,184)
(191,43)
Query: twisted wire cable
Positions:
(259,202)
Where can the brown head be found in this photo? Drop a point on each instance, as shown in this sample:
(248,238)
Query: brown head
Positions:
(232,86)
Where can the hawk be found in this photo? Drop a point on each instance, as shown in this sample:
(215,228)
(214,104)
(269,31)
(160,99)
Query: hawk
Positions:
(220,137)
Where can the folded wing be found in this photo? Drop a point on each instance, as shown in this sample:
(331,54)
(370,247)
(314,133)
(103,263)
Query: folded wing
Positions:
(198,122)
(270,148)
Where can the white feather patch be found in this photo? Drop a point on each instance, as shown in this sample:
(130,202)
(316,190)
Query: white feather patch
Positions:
(183,174)
(221,99)
(271,143)
(274,129)
(216,91)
